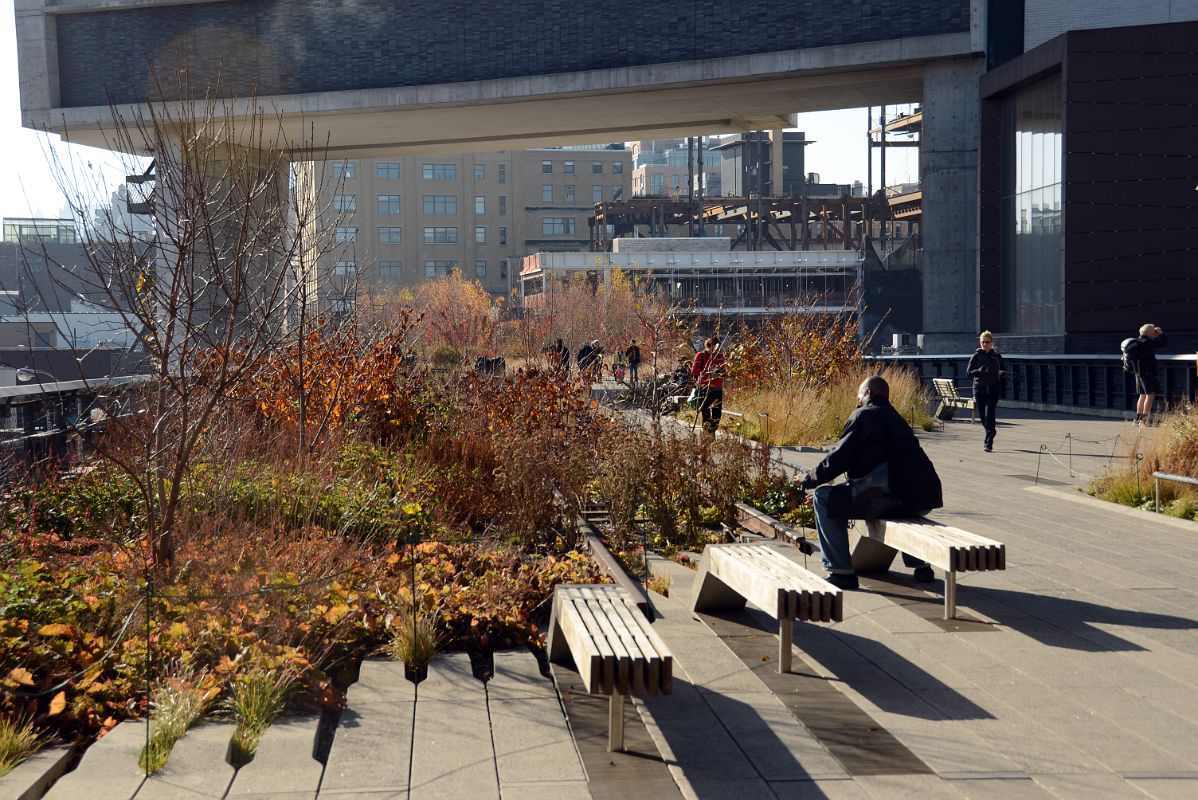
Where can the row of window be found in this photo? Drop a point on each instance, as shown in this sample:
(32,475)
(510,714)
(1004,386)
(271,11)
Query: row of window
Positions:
(394,269)
(433,203)
(568,195)
(389,171)
(617,167)
(432,235)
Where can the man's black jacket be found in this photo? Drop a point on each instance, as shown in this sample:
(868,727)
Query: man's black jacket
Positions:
(1145,360)
(876,433)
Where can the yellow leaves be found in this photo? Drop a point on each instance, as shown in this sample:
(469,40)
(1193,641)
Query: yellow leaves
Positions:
(58,704)
(57,629)
(19,676)
(336,613)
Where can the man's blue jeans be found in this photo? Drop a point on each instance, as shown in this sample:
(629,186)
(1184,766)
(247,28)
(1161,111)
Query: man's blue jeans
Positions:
(832,505)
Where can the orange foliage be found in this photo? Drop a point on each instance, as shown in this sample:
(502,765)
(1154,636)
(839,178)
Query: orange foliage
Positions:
(798,349)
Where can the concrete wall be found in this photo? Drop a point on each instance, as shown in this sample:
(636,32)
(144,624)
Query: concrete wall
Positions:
(1044,19)
(949,171)
(280,47)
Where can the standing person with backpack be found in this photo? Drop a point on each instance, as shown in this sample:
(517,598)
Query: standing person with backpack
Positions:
(708,371)
(986,368)
(633,354)
(1139,358)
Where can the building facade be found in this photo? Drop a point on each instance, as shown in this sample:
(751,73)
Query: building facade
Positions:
(395,222)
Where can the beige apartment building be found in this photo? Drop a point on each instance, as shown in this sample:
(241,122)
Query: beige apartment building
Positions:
(398,221)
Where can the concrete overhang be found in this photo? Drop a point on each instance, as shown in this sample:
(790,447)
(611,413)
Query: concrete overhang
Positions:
(754,92)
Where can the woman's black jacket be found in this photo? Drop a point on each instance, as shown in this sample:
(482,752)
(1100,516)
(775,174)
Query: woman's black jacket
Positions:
(984,368)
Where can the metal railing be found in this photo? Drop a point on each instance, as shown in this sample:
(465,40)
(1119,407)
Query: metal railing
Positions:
(1157,477)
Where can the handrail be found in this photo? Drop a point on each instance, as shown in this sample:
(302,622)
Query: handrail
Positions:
(1157,477)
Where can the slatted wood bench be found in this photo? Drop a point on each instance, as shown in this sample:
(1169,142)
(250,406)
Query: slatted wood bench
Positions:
(731,574)
(945,547)
(950,399)
(613,647)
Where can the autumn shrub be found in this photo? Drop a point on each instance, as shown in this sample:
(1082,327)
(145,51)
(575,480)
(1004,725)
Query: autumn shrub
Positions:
(91,509)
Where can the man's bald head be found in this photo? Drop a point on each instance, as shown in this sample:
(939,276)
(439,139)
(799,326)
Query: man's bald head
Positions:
(873,386)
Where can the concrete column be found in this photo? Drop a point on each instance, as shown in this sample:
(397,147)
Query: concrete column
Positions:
(949,174)
(777,160)
(37,55)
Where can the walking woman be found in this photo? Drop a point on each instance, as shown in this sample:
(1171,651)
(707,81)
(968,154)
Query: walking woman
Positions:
(986,368)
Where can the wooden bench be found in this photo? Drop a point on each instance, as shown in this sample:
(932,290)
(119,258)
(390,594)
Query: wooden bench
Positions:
(950,549)
(730,574)
(950,399)
(613,647)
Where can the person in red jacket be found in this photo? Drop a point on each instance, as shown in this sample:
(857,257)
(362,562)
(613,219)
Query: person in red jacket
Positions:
(708,372)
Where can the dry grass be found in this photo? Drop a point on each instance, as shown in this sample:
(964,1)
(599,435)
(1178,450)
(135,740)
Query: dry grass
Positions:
(18,741)
(1171,447)
(815,415)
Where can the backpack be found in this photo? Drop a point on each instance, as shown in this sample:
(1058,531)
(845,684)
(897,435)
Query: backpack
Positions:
(1131,354)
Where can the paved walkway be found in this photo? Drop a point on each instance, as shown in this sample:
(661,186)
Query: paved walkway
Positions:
(1072,674)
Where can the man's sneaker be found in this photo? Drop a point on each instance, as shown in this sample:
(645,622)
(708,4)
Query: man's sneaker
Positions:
(924,574)
(841,581)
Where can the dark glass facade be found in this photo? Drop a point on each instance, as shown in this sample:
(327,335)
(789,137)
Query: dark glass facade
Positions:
(1033,254)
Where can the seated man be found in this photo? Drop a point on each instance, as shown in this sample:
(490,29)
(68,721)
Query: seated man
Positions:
(874,434)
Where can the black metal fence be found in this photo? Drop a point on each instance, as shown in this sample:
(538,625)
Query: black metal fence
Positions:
(1094,383)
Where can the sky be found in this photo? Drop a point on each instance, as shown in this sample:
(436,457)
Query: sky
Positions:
(28,187)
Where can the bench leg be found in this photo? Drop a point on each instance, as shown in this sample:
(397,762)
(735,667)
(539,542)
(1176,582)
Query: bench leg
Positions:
(950,594)
(785,640)
(615,723)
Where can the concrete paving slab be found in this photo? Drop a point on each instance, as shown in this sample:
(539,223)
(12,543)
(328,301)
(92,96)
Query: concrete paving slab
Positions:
(818,790)
(1091,786)
(904,787)
(546,790)
(533,742)
(371,744)
(1001,789)
(33,776)
(453,754)
(284,762)
(1167,788)
(197,767)
(518,677)
(108,768)
(778,745)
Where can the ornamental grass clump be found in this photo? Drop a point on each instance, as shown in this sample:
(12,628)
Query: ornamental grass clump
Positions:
(18,741)
(1172,447)
(177,704)
(255,698)
(415,641)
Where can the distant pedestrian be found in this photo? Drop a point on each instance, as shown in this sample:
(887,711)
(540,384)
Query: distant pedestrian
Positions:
(1141,356)
(586,358)
(708,371)
(561,357)
(633,354)
(987,369)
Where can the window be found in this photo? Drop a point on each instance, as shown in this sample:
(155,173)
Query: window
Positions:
(480,268)
(557,226)
(388,204)
(596,167)
(617,192)
(389,235)
(657,183)
(440,204)
(677,180)
(387,170)
(568,168)
(434,268)
(345,235)
(617,168)
(569,193)
(480,172)
(503,205)
(597,193)
(546,166)
(547,193)
(345,269)
(345,203)
(480,235)
(503,236)
(439,172)
(440,235)
(501,177)
(345,169)
(392,270)
(480,205)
